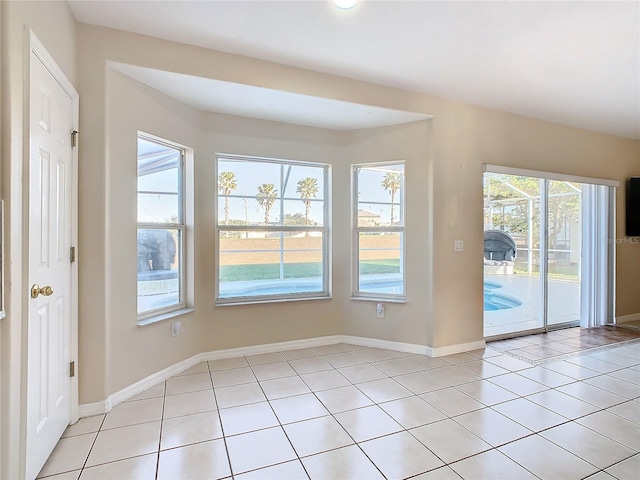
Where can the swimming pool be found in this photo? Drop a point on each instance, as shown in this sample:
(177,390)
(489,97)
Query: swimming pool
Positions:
(492,300)
(258,288)
(498,301)
(302,285)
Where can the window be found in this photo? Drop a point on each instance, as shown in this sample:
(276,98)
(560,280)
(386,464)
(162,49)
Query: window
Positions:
(272,230)
(161,227)
(378,233)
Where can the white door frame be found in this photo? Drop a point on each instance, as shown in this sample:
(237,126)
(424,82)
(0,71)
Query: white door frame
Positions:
(36,48)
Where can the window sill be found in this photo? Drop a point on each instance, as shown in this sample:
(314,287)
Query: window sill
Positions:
(253,301)
(379,299)
(165,316)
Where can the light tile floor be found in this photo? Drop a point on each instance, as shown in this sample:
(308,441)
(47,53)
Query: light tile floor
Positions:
(556,344)
(349,412)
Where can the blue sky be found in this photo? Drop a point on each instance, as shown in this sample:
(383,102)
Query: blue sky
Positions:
(250,175)
(162,205)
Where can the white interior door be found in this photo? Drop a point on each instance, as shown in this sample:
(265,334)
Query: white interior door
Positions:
(49,393)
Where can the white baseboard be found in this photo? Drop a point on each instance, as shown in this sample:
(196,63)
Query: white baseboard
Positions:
(97,408)
(270,347)
(148,382)
(458,348)
(628,318)
(386,344)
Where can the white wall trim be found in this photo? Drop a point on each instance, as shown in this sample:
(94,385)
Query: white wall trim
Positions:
(459,348)
(628,318)
(105,406)
(271,347)
(153,379)
(97,408)
(386,344)
(561,177)
(39,50)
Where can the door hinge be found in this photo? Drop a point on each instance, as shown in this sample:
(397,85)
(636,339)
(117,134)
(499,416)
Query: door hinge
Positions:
(72,254)
(74,138)
(72,369)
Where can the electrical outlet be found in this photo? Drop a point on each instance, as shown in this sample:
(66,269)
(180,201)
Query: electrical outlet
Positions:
(175,328)
(458,245)
(380,310)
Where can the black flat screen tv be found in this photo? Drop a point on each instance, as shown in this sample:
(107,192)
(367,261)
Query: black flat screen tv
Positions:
(633,207)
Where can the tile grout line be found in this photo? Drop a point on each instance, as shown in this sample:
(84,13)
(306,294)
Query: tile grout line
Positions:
(332,414)
(356,443)
(164,400)
(276,415)
(224,437)
(84,465)
(420,370)
(449,417)
(564,356)
(445,464)
(540,431)
(453,417)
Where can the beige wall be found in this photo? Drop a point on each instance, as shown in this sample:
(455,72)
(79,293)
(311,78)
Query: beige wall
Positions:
(132,106)
(54,25)
(134,352)
(237,326)
(552,147)
(444,297)
(129,106)
(403,322)
(444,290)
(464,138)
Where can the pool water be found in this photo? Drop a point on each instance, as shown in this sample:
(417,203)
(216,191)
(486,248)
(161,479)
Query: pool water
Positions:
(497,301)
(492,300)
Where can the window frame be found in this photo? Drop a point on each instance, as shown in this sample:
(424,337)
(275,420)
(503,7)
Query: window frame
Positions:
(325,229)
(356,229)
(156,314)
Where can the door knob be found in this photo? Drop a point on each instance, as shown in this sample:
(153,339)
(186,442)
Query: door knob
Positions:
(37,290)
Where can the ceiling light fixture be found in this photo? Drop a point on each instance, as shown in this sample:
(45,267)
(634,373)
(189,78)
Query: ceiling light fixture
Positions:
(345,4)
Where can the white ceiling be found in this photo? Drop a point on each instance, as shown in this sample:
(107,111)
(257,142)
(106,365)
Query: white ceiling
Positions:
(575,63)
(248,101)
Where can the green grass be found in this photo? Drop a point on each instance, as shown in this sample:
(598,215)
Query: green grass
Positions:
(560,272)
(391,265)
(271,271)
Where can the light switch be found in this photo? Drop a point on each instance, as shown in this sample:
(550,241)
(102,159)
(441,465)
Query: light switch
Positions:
(458,245)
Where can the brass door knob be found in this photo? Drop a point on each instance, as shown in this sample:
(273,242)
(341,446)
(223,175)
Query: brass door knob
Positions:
(37,290)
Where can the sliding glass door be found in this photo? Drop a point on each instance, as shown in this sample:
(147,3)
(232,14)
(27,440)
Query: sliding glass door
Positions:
(564,252)
(540,229)
(512,282)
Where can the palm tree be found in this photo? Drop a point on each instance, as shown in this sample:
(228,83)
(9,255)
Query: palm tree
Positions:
(391,182)
(307,189)
(266,196)
(226,184)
